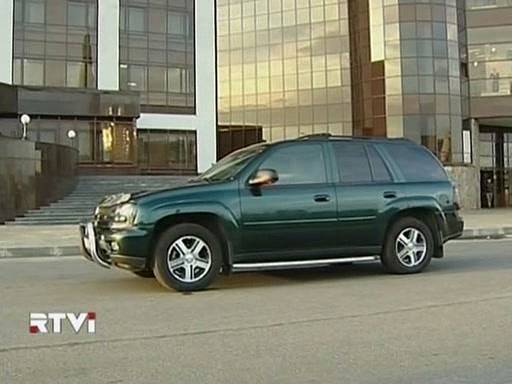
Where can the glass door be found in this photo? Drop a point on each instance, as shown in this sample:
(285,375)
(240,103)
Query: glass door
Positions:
(488,169)
(508,168)
(115,143)
(496,168)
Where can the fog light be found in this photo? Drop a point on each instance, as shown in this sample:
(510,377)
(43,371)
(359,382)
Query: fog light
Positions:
(114,246)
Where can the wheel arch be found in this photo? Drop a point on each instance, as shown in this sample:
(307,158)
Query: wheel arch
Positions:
(432,216)
(210,220)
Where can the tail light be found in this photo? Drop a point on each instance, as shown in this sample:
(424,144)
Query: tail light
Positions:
(456,197)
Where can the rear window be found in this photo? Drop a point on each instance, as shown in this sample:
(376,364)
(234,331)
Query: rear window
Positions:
(416,163)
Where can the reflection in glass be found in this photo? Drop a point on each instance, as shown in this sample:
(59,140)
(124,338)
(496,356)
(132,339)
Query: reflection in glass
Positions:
(58,50)
(283,70)
(157,53)
(167,150)
(424,66)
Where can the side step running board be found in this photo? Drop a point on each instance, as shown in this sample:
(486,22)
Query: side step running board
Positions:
(299,263)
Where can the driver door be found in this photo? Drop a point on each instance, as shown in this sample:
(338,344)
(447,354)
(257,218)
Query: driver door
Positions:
(294,217)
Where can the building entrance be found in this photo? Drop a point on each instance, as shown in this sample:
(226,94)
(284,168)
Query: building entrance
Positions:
(496,167)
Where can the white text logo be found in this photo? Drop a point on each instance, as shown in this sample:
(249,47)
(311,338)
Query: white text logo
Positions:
(53,322)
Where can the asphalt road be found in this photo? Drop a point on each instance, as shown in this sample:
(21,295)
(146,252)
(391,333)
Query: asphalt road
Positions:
(347,324)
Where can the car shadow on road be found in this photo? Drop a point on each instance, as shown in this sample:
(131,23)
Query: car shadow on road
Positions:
(449,265)
(438,267)
(299,276)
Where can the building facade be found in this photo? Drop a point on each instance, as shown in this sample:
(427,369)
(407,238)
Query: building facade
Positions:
(171,85)
(122,74)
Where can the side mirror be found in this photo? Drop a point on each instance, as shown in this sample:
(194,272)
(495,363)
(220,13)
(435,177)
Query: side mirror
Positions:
(263,177)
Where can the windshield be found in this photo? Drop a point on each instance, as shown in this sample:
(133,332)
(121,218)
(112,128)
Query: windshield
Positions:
(229,166)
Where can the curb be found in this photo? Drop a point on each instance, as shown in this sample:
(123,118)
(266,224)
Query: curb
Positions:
(486,233)
(26,252)
(72,250)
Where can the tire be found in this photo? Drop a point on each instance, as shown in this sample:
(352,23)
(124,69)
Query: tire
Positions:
(146,274)
(188,257)
(409,246)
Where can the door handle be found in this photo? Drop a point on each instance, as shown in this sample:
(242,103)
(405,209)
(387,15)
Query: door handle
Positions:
(390,195)
(322,198)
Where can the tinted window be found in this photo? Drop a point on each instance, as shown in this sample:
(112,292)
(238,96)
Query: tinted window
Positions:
(416,163)
(228,166)
(298,164)
(352,162)
(380,171)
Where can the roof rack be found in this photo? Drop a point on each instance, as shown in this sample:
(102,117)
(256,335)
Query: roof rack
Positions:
(327,135)
(315,136)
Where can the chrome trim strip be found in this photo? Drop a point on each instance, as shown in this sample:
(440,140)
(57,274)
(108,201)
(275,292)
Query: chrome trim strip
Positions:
(357,218)
(300,263)
(90,240)
(293,221)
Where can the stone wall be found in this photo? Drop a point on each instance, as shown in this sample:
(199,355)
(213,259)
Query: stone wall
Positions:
(19,165)
(33,174)
(57,175)
(467,178)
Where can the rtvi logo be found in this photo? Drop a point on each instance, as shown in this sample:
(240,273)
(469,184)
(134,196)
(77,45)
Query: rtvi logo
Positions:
(52,322)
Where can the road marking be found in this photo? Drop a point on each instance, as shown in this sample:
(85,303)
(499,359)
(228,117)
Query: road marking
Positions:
(254,327)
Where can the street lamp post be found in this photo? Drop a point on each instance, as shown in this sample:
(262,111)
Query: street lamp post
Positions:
(25,121)
(71,136)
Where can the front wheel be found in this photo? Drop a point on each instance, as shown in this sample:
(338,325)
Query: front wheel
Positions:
(409,246)
(188,257)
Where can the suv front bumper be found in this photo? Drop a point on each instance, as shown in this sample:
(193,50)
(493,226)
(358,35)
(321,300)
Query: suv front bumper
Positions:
(97,248)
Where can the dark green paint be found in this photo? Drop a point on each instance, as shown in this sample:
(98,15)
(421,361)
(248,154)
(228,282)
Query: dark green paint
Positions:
(283,222)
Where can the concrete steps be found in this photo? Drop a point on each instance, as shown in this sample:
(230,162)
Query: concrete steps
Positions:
(79,205)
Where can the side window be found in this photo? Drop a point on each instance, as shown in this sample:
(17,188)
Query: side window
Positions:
(298,164)
(380,170)
(352,162)
(416,163)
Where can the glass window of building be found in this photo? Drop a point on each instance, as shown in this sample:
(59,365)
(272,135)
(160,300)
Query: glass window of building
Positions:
(283,70)
(55,43)
(98,141)
(425,88)
(490,60)
(483,4)
(167,150)
(157,53)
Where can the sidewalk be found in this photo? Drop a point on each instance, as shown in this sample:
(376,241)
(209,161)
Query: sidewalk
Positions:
(63,240)
(483,223)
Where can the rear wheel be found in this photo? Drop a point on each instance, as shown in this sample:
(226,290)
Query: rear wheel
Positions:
(187,257)
(409,246)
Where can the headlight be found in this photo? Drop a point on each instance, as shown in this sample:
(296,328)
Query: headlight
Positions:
(124,216)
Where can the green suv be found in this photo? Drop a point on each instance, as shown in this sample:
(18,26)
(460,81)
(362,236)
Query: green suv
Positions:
(316,200)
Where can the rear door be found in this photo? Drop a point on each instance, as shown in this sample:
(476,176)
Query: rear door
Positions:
(366,193)
(296,215)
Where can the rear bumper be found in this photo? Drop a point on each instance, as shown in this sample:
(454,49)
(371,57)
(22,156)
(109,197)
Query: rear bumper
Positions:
(454,226)
(98,248)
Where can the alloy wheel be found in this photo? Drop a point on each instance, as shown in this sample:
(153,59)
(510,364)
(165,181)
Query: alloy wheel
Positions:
(411,247)
(189,259)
